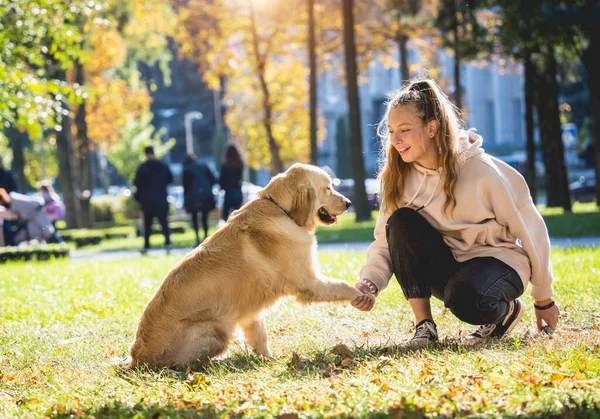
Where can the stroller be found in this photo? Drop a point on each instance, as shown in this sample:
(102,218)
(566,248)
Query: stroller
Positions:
(30,220)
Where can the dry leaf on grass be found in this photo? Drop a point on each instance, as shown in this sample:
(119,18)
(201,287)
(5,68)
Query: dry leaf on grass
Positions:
(342,350)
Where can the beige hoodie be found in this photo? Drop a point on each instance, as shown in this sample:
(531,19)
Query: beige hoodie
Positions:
(494,216)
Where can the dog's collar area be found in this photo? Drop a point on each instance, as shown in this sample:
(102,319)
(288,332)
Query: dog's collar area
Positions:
(268,198)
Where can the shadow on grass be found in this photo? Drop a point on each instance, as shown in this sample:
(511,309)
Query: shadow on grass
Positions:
(205,409)
(236,363)
(573,224)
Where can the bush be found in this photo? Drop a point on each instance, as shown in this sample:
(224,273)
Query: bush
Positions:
(105,207)
(176,227)
(82,237)
(34,252)
(118,232)
(130,208)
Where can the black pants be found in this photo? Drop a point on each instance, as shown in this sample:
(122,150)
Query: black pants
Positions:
(149,215)
(204,215)
(232,201)
(477,291)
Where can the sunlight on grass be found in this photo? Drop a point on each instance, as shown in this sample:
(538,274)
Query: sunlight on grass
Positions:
(61,324)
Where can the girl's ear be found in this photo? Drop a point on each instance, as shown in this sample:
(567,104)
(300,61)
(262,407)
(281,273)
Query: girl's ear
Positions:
(432,127)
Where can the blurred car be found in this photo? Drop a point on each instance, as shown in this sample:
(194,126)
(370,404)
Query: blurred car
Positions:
(584,189)
(346,188)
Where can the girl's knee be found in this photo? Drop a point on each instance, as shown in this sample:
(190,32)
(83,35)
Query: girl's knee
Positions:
(402,219)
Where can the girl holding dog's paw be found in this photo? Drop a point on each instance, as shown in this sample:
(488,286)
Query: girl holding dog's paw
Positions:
(455,223)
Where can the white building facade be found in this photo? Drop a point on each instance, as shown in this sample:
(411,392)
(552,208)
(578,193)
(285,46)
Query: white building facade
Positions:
(493,103)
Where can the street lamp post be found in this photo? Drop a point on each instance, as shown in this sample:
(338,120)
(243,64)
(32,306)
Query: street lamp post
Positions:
(189,117)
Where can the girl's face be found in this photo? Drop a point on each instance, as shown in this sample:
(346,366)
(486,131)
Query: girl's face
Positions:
(413,140)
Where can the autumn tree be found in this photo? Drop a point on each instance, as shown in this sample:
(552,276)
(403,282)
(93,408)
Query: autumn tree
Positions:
(529,34)
(257,48)
(463,35)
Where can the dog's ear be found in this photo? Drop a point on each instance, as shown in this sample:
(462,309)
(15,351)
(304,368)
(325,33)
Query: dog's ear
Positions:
(303,206)
(275,188)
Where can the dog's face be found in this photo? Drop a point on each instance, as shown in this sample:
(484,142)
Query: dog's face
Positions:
(310,192)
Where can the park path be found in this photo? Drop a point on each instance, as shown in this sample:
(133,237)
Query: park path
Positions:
(94,255)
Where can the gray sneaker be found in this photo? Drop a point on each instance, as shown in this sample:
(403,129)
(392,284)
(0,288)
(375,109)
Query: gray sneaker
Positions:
(498,330)
(425,334)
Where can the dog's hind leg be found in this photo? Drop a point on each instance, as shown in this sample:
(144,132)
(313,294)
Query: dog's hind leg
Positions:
(198,342)
(255,332)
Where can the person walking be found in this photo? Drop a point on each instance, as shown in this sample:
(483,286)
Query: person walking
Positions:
(8,182)
(151,180)
(230,180)
(198,197)
(455,223)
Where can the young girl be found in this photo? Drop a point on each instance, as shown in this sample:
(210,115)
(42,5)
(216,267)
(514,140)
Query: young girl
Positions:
(455,223)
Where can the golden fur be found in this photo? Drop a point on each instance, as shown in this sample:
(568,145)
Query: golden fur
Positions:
(257,257)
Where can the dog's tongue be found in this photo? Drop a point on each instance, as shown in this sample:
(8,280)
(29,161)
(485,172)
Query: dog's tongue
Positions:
(334,218)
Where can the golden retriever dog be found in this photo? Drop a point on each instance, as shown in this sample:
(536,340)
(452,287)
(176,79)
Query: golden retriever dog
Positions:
(265,251)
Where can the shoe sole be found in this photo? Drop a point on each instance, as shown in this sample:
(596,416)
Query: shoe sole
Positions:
(516,320)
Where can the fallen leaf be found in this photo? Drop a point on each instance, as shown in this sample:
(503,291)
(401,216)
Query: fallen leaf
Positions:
(347,362)
(197,379)
(343,350)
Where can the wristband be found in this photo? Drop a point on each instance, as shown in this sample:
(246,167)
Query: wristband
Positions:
(371,286)
(546,307)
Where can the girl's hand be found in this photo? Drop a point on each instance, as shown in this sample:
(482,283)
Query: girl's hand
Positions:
(365,302)
(547,317)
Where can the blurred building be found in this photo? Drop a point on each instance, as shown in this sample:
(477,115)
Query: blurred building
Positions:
(493,101)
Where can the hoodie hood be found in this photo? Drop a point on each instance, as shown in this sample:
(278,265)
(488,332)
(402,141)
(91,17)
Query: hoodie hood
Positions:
(469,145)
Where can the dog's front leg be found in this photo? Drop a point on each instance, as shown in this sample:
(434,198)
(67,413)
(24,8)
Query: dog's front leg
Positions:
(326,289)
(255,332)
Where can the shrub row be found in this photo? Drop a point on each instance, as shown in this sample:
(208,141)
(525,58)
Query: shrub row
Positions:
(34,252)
(84,237)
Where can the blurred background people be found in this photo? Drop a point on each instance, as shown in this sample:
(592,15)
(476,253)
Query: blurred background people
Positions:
(198,197)
(151,180)
(31,222)
(53,205)
(8,182)
(230,180)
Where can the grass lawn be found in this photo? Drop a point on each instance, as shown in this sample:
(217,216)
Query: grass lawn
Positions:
(62,322)
(583,221)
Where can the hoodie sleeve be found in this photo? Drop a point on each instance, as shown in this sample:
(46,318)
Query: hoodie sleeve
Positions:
(378,268)
(513,207)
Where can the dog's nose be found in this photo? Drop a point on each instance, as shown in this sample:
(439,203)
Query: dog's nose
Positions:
(348,203)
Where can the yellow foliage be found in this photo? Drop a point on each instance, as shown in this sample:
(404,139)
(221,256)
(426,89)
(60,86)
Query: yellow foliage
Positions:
(112,105)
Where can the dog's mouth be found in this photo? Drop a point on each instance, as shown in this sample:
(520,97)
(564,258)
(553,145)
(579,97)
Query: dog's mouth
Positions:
(325,217)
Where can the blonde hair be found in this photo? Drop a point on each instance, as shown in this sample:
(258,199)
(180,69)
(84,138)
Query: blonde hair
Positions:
(47,186)
(431,103)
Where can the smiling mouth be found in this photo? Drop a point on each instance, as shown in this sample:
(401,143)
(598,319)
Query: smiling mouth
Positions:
(325,217)
(403,150)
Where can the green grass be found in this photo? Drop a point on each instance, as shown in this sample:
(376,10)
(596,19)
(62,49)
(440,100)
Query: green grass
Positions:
(61,324)
(583,221)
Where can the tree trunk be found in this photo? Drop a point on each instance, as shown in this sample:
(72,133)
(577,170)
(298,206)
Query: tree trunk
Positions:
(363,212)
(276,163)
(16,139)
(457,58)
(530,142)
(68,171)
(312,62)
(590,60)
(403,55)
(546,99)
(84,156)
